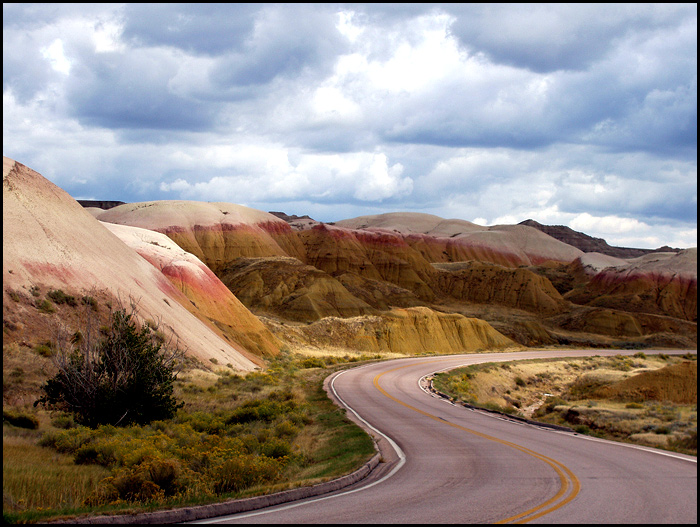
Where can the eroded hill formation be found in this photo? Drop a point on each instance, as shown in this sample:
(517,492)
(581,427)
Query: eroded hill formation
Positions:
(531,287)
(51,244)
(401,282)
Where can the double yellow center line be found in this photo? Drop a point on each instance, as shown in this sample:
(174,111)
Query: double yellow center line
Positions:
(568,482)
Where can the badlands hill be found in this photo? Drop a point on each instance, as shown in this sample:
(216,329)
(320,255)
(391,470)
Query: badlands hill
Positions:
(442,240)
(531,287)
(659,283)
(303,276)
(51,243)
(216,233)
(167,258)
(251,281)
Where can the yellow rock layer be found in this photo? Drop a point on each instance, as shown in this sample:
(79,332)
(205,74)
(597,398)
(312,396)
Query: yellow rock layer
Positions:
(677,383)
(409,331)
(290,289)
(486,283)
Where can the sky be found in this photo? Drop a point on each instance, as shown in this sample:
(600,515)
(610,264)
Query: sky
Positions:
(582,115)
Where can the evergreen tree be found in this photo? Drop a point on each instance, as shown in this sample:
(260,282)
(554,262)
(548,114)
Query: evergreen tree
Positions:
(127,378)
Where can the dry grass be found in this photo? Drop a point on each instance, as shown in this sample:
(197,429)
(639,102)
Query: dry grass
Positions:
(567,392)
(36,478)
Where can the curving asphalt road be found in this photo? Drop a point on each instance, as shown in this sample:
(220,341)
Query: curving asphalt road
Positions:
(448,464)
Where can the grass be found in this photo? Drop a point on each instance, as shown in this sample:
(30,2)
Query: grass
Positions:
(236,436)
(36,479)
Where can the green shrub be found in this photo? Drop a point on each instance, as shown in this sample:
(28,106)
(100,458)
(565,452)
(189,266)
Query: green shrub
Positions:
(86,455)
(582,429)
(20,420)
(67,441)
(14,295)
(286,428)
(89,301)
(686,442)
(549,406)
(46,307)
(240,472)
(166,474)
(257,410)
(59,297)
(206,422)
(45,349)
(243,414)
(64,421)
(97,453)
(133,485)
(276,449)
(312,362)
(229,379)
(151,480)
(124,379)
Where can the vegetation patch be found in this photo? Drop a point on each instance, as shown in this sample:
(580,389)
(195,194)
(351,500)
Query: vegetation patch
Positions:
(645,399)
(235,436)
(20,420)
(126,377)
(59,297)
(45,307)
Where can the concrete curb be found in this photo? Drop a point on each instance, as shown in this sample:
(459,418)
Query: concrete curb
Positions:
(201,512)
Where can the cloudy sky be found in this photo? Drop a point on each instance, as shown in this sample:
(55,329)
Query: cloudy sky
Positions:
(581,115)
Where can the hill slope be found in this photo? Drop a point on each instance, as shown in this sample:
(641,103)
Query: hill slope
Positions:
(51,242)
(208,298)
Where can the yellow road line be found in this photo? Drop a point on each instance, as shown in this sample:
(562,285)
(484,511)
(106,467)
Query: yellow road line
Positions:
(561,470)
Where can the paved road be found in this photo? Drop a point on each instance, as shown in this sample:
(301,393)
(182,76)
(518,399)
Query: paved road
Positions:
(448,464)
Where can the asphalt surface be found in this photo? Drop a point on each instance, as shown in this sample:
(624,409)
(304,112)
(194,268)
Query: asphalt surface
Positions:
(447,464)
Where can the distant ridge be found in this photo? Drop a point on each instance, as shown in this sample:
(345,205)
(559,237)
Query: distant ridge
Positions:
(589,244)
(105,205)
(289,218)
(579,240)
(298,223)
